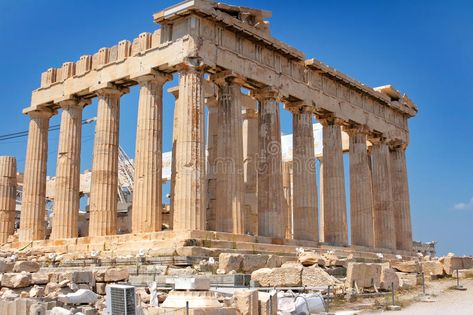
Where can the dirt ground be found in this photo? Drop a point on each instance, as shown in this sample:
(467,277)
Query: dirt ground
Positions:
(441,300)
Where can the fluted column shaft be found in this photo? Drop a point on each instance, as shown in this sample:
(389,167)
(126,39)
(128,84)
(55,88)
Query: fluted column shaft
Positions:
(189,191)
(7,197)
(174,91)
(321,201)
(229,163)
(33,210)
(305,186)
(103,191)
(212,132)
(400,193)
(361,197)
(270,190)
(67,184)
(335,213)
(287,185)
(384,224)
(250,153)
(147,190)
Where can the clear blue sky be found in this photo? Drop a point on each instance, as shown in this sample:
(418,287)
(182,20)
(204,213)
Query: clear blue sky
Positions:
(424,48)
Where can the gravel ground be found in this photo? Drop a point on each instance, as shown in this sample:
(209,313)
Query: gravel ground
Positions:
(446,301)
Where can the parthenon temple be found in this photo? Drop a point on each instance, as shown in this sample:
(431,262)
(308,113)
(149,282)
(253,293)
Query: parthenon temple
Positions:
(228,173)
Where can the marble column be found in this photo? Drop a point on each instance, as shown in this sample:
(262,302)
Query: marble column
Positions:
(174,91)
(33,209)
(212,136)
(335,213)
(250,155)
(7,197)
(400,193)
(270,190)
(229,216)
(384,224)
(287,185)
(305,187)
(147,190)
(103,190)
(361,197)
(189,190)
(67,184)
(321,200)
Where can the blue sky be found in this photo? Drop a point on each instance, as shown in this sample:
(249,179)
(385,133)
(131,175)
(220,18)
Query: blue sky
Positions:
(424,48)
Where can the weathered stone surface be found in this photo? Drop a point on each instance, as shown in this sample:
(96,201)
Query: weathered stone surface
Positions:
(116,274)
(432,268)
(253,262)
(316,277)
(181,272)
(452,263)
(27,266)
(81,296)
(411,266)
(228,262)
(6,266)
(60,311)
(311,258)
(39,278)
(246,301)
(36,292)
(100,288)
(16,280)
(389,278)
(365,275)
(286,277)
(262,277)
(407,280)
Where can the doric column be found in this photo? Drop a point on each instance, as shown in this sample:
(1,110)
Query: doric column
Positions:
(67,184)
(189,190)
(174,91)
(103,190)
(287,186)
(321,200)
(270,205)
(229,164)
(250,155)
(305,212)
(212,136)
(361,197)
(400,193)
(335,213)
(147,190)
(7,197)
(33,209)
(384,224)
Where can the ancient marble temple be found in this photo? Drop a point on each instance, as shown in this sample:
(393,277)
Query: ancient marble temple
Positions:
(228,173)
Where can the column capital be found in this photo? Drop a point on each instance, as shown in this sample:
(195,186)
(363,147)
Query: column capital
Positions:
(397,144)
(194,64)
(151,75)
(353,129)
(109,89)
(376,139)
(227,77)
(297,107)
(73,102)
(174,91)
(41,113)
(329,120)
(266,93)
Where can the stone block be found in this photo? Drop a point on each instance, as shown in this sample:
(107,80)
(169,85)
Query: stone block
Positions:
(432,268)
(36,292)
(6,266)
(251,263)
(228,262)
(16,280)
(274,261)
(100,288)
(407,280)
(389,277)
(364,275)
(81,296)
(40,278)
(262,277)
(37,309)
(246,302)
(116,274)
(26,266)
(286,277)
(311,258)
(316,277)
(453,263)
(411,266)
